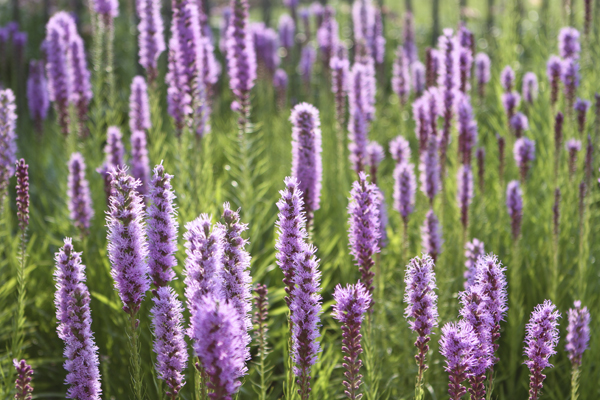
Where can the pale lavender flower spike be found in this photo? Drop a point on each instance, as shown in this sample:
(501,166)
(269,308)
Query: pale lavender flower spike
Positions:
(72,300)
(287,30)
(37,93)
(448,81)
(127,247)
(151,41)
(554,73)
(467,130)
(578,333)
(431,235)
(8,137)
(417,76)
(464,193)
(514,204)
(540,343)
(405,186)
(573,146)
(524,153)
(400,150)
(473,250)
(530,87)
(408,34)
(375,155)
(139,106)
(108,8)
(507,79)
(307,61)
(482,72)
(401,75)
(457,345)
(568,43)
(327,35)
(360,113)
(421,116)
(80,201)
(429,168)
(519,123)
(571,78)
(306,155)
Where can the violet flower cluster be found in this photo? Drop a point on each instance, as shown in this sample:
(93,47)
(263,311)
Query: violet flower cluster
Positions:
(482,72)
(151,41)
(375,155)
(464,193)
(581,107)
(72,300)
(578,333)
(448,81)
(23,388)
(514,204)
(400,150)
(22,195)
(37,93)
(401,75)
(139,106)
(457,345)
(554,73)
(467,130)
(361,112)
(287,31)
(8,138)
(340,70)
(405,187)
(573,146)
(473,250)
(518,124)
(327,35)
(80,200)
(429,168)
(431,235)
(524,153)
(530,88)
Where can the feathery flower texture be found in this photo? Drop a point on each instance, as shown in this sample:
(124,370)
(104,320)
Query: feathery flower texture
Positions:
(473,250)
(8,137)
(151,41)
(457,345)
(578,333)
(23,387)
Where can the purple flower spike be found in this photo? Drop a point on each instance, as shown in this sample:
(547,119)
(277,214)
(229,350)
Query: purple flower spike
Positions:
(291,225)
(408,32)
(482,72)
(507,79)
(501,145)
(421,115)
(340,69)
(401,76)
(80,201)
(109,8)
(568,43)
(514,204)
(307,61)
(216,331)
(375,155)
(364,232)
(151,41)
(581,107)
(204,263)
(306,155)
(378,41)
(480,155)
(280,79)
(457,345)
(540,343)
(363,17)
(72,300)
(464,194)
(140,168)
(473,250)
(530,87)
(467,130)
(431,236)
(524,153)
(429,169)
(510,101)
(114,150)
(162,228)
(127,247)
(361,112)
(431,67)
(448,81)
(400,150)
(82,87)
(558,132)
(139,107)
(421,305)
(23,387)
(352,302)
(573,146)
(571,78)
(22,189)
(405,186)
(465,60)
(169,342)
(287,30)
(37,93)
(327,35)
(305,320)
(554,72)
(578,333)
(417,76)
(519,124)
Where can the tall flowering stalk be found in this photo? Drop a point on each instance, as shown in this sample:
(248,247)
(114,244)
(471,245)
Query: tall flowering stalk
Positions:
(431,235)
(581,107)
(139,105)
(554,72)
(529,87)
(80,201)
(524,153)
(448,82)
(429,169)
(501,148)
(421,309)
(465,57)
(518,124)
(558,139)
(23,388)
(364,232)
(127,251)
(480,156)
(464,194)
(115,157)
(106,11)
(306,155)
(241,60)
(401,76)
(22,199)
(457,345)
(8,137)
(57,66)
(573,147)
(417,76)
(375,156)
(340,67)
(327,35)
(473,250)
(514,204)
(400,150)
(482,72)
(72,300)
(140,165)
(571,79)
(361,112)
(467,130)
(540,343)
(261,304)
(37,93)
(405,186)
(352,302)
(151,42)
(408,34)
(578,337)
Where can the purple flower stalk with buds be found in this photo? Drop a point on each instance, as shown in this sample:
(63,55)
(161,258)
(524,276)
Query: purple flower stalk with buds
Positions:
(514,204)
(72,300)
(57,67)
(408,33)
(37,93)
(308,57)
(578,333)
(361,112)
(400,150)
(80,201)
(501,145)
(340,67)
(22,190)
(140,165)
(568,43)
(306,155)
(482,72)
(431,235)
(287,30)
(421,308)
(473,250)
(581,107)
(524,153)
(467,130)
(510,101)
(352,302)
(480,155)
(421,115)
(448,82)
(540,343)
(364,232)
(464,194)
(571,78)
(457,345)
(507,79)
(465,58)
(375,155)
(429,169)
(405,186)
(530,87)
(81,94)
(518,124)
(401,76)
(23,388)
(327,35)
(139,106)
(151,41)
(417,76)
(432,61)
(573,146)
(554,72)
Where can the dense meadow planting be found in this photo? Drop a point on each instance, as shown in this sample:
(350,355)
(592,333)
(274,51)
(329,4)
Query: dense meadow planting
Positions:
(294,200)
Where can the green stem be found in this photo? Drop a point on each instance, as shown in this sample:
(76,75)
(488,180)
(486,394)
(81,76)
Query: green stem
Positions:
(19,320)
(575,374)
(136,362)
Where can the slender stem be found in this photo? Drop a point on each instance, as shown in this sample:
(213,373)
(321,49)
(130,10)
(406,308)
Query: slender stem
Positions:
(19,320)
(136,362)
(575,374)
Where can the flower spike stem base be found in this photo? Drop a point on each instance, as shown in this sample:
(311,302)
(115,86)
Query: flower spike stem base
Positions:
(575,374)
(136,362)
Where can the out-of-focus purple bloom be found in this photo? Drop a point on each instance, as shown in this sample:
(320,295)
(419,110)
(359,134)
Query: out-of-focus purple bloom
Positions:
(570,77)
(364,232)
(467,130)
(169,342)
(139,106)
(291,225)
(519,124)
(307,61)
(434,103)
(530,87)
(401,76)
(151,41)
(217,335)
(107,8)
(287,31)
(480,155)
(556,213)
(431,235)
(223,29)
(360,112)
(162,228)
(473,250)
(23,387)
(19,43)
(568,42)
(306,155)
(573,146)
(211,69)
(378,44)
(305,312)
(421,117)
(375,156)
(507,79)
(140,165)
(37,93)
(429,168)
(464,194)
(417,75)
(554,73)
(8,137)
(482,72)
(304,16)
(465,61)
(581,107)
(510,101)
(114,150)
(317,11)
(578,333)
(80,201)
(22,189)
(540,343)
(127,247)
(266,46)
(280,79)
(405,186)
(448,81)
(501,146)
(432,66)
(558,132)
(72,300)
(514,204)
(400,150)
(457,345)
(363,18)
(340,69)
(327,35)
(352,302)
(524,153)
(421,304)
(81,93)
(408,33)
